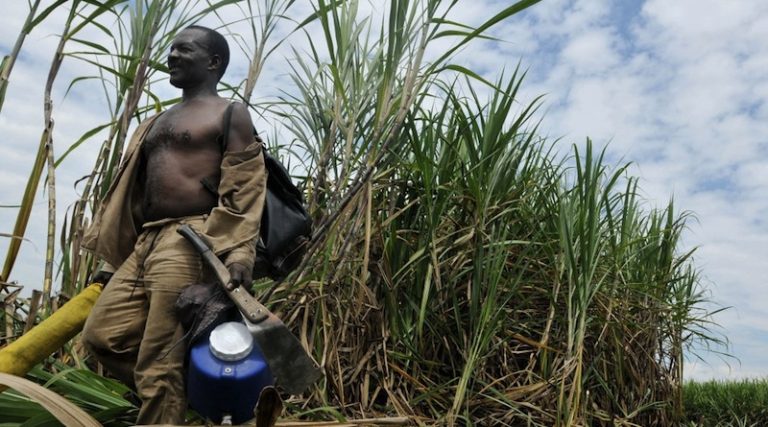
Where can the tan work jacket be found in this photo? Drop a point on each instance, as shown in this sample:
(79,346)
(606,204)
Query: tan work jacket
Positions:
(231,227)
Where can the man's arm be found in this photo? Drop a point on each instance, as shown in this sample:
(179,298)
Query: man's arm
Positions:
(241,129)
(234,223)
(240,260)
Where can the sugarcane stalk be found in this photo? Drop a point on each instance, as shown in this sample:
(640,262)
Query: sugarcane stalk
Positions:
(10,60)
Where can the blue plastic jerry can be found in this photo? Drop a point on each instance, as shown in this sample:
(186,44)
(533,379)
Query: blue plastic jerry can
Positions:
(227,371)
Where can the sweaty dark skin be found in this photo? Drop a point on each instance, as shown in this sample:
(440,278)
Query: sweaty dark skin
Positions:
(184,145)
(182,148)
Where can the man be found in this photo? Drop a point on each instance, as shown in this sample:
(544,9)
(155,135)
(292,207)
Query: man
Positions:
(177,170)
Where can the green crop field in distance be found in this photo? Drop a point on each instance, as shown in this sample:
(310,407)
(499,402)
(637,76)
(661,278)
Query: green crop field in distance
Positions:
(721,403)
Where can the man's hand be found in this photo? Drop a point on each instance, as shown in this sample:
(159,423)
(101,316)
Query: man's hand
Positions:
(102,277)
(240,275)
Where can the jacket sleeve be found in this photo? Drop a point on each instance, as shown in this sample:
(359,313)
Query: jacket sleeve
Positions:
(114,230)
(233,225)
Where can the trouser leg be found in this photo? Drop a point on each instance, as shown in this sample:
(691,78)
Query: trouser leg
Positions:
(133,330)
(115,326)
(171,266)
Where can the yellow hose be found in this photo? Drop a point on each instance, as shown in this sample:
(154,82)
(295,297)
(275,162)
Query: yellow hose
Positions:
(18,357)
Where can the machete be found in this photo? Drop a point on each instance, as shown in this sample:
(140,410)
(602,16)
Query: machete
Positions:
(293,369)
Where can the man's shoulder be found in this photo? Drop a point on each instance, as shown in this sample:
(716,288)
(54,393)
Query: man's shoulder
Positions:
(240,114)
(145,124)
(151,118)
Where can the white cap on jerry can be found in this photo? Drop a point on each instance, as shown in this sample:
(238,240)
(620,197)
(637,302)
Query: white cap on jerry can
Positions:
(231,341)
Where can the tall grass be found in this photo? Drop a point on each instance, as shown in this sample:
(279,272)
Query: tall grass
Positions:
(720,403)
(464,270)
(25,207)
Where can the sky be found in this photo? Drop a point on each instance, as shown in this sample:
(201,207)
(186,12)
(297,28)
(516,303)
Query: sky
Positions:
(678,89)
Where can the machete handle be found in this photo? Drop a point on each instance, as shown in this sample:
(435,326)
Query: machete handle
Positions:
(249,306)
(200,245)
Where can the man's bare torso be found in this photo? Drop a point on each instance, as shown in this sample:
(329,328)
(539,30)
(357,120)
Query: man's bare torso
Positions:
(182,149)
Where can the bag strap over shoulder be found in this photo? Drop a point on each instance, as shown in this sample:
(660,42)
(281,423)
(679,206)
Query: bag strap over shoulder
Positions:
(211,183)
(227,125)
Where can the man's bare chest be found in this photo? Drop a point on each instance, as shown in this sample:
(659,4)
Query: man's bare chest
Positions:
(179,132)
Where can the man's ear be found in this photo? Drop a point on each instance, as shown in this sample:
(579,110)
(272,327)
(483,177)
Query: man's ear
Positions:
(214,63)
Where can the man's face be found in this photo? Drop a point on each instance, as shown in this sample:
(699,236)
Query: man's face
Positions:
(189,59)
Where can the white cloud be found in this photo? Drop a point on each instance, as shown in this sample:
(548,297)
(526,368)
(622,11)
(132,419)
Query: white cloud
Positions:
(592,52)
(680,90)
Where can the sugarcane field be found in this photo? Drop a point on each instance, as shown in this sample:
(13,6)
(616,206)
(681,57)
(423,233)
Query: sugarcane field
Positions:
(382,213)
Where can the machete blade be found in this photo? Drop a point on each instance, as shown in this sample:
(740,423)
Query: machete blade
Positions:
(291,366)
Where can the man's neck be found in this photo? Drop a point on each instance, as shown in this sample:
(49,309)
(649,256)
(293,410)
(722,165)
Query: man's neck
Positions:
(198,92)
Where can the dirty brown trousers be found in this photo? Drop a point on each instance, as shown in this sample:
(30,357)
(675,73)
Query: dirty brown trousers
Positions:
(133,329)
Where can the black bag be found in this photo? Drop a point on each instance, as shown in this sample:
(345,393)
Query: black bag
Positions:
(201,307)
(286,227)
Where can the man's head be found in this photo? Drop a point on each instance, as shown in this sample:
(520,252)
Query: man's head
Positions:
(217,45)
(197,54)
